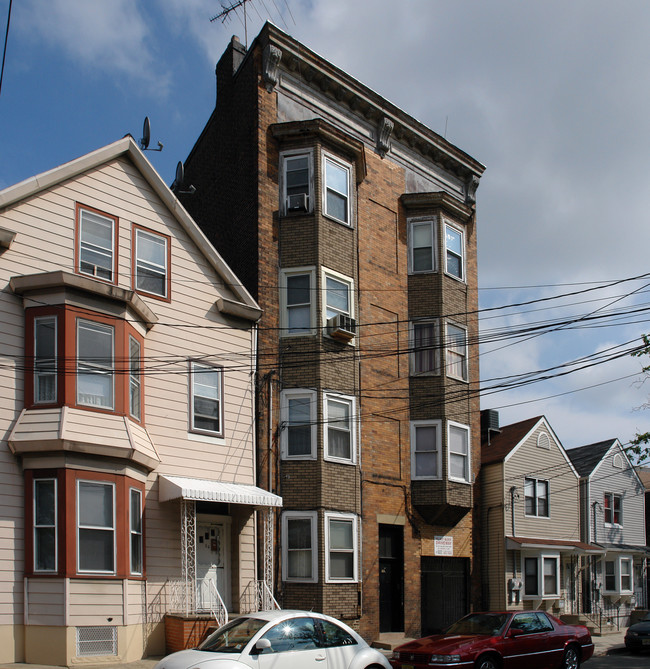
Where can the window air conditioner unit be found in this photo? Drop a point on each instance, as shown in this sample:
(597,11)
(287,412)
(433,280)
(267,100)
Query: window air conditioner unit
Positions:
(342,327)
(297,202)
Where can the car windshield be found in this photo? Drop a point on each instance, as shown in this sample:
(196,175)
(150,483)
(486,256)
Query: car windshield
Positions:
(232,638)
(489,624)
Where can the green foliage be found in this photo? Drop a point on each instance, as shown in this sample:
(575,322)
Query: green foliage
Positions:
(640,443)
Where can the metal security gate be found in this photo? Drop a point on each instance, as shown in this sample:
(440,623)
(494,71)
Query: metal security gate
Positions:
(445,592)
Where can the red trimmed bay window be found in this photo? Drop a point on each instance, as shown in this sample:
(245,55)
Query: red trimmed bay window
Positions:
(83,523)
(77,357)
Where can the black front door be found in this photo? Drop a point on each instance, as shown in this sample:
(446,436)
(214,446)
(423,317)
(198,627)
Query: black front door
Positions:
(391,578)
(445,592)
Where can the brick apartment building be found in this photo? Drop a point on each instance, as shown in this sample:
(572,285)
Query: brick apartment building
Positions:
(353,226)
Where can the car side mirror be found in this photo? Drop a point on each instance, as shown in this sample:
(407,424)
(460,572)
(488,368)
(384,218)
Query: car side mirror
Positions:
(514,631)
(261,645)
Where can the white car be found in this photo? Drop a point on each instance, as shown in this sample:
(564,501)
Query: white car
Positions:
(280,640)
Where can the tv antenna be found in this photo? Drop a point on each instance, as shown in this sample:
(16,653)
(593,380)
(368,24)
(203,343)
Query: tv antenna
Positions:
(225,14)
(146,137)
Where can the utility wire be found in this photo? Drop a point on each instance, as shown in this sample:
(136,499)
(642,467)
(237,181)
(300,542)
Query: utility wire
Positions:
(4,50)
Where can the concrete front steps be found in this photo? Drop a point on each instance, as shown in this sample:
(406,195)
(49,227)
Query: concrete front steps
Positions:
(590,625)
(390,640)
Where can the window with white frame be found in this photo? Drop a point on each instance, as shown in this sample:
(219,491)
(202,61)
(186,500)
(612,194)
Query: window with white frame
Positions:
(454,252)
(336,189)
(96,244)
(459,455)
(45,525)
(206,405)
(135,530)
(297,179)
(613,509)
(151,260)
(298,417)
(337,295)
(300,546)
(296,300)
(426,440)
(338,416)
(95,364)
(456,347)
(421,246)
(541,575)
(95,527)
(135,395)
(618,575)
(425,355)
(340,547)
(45,355)
(536,497)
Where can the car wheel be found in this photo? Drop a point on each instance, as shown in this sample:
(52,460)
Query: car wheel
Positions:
(571,658)
(487,662)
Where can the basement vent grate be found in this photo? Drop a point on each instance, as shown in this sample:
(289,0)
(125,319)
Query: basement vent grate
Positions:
(96,641)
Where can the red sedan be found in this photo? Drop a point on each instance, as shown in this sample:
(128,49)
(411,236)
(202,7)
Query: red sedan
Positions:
(501,640)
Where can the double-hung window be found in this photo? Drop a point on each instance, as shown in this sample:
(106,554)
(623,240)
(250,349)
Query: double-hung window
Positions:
(338,300)
(296,295)
(135,531)
(296,182)
(300,546)
(340,547)
(45,526)
(298,418)
(336,191)
(456,348)
(425,449)
(339,428)
(459,455)
(96,241)
(135,393)
(425,355)
(95,527)
(541,576)
(151,260)
(422,247)
(618,575)
(95,364)
(625,566)
(454,252)
(536,496)
(45,372)
(206,404)
(613,509)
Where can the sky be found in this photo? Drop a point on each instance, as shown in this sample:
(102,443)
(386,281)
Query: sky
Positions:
(551,96)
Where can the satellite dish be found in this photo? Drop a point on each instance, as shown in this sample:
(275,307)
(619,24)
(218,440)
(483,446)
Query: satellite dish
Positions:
(146,134)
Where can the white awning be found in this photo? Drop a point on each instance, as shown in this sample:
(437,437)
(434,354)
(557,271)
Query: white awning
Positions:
(206,490)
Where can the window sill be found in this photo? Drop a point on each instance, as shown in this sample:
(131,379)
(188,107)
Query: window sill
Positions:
(206,438)
(340,461)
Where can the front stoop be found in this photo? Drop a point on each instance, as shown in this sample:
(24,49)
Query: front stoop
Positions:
(390,640)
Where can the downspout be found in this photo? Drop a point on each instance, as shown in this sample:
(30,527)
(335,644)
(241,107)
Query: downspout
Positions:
(513,497)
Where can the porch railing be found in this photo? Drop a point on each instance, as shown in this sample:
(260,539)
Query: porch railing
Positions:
(257,597)
(213,601)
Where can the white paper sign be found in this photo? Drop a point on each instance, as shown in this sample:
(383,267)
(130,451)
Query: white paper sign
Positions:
(443,546)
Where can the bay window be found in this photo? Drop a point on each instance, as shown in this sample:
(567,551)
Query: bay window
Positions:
(339,428)
(340,547)
(95,364)
(45,525)
(336,191)
(45,360)
(298,418)
(95,527)
(459,455)
(456,345)
(421,246)
(299,546)
(296,182)
(541,575)
(454,252)
(296,315)
(135,397)
(425,449)
(424,348)
(135,531)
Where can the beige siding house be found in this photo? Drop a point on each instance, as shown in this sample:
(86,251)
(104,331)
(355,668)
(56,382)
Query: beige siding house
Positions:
(127,457)
(533,555)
